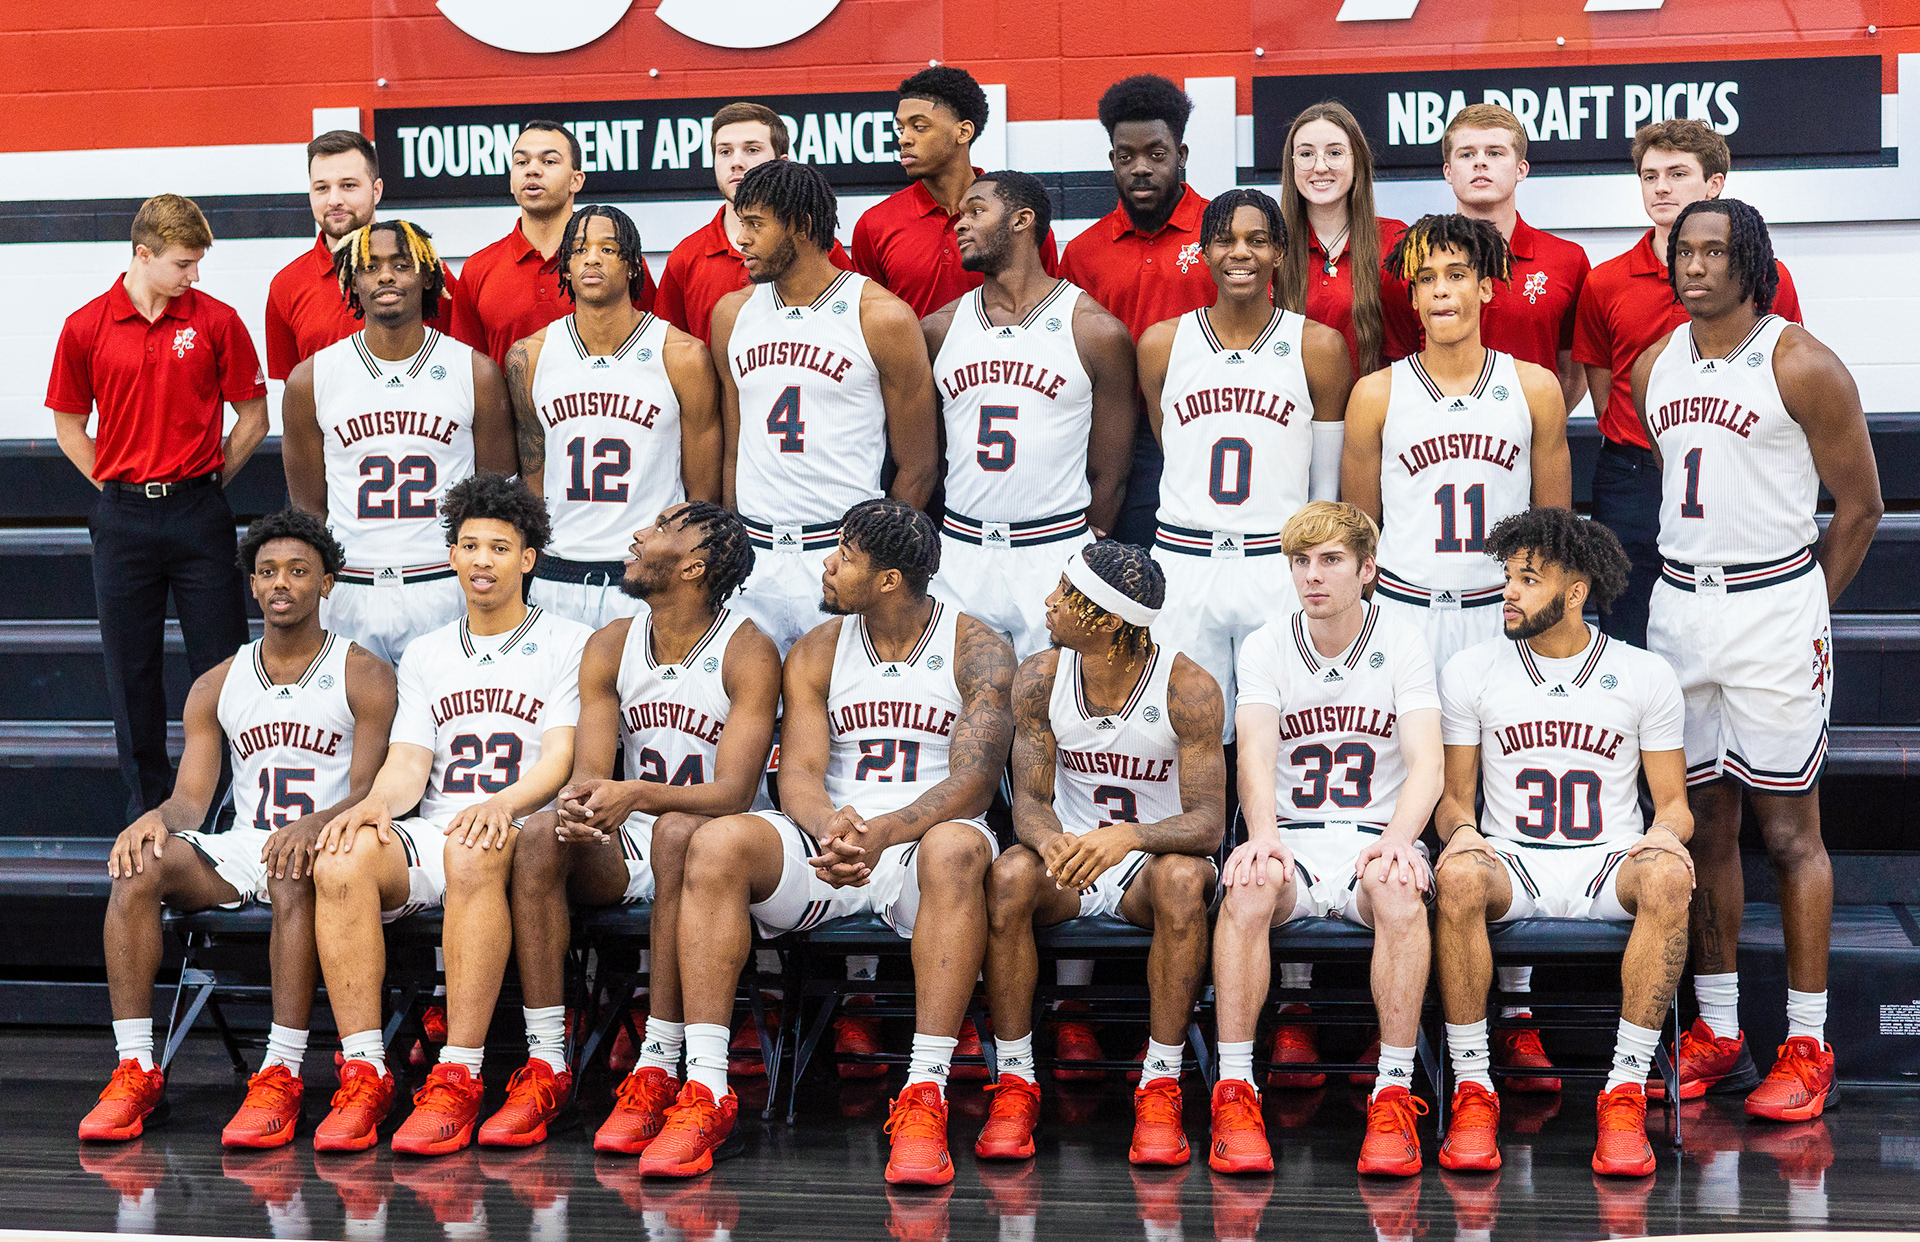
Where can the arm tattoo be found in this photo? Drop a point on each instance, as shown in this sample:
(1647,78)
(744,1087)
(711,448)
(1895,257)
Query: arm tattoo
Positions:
(977,752)
(532,437)
(1035,753)
(1198,714)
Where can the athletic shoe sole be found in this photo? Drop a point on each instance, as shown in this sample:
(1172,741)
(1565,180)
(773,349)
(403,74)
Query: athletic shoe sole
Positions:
(438,1147)
(920,1177)
(1004,1151)
(153,1116)
(278,1139)
(1172,1157)
(1607,1168)
(359,1142)
(1744,1076)
(1470,1164)
(1804,1112)
(662,1169)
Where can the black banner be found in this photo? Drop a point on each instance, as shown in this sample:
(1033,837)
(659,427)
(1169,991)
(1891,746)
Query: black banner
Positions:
(631,146)
(1808,107)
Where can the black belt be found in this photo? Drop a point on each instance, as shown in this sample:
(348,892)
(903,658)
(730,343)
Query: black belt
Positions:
(160,491)
(552,568)
(1623,449)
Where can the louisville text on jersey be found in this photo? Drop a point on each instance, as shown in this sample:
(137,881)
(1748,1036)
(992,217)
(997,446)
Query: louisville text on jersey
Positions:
(1336,718)
(285,733)
(616,405)
(826,362)
(640,717)
(1460,446)
(487,701)
(1107,763)
(1004,371)
(1255,401)
(1718,411)
(892,714)
(1558,735)
(395,423)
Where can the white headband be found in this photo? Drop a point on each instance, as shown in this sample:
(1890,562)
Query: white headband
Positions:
(1105,594)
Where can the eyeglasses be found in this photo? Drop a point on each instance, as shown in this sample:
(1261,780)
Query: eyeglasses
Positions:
(1335,157)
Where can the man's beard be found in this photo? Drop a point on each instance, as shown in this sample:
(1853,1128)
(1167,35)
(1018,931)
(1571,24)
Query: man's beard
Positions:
(833,608)
(1540,622)
(1155,216)
(989,255)
(637,585)
(777,264)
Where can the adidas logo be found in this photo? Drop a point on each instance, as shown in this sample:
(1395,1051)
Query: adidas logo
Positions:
(1459,404)
(1709,366)
(599,364)
(796,313)
(670,673)
(1332,675)
(394,381)
(994,536)
(1004,334)
(1710,577)
(1558,692)
(1235,358)
(786,541)
(1443,597)
(892,670)
(284,692)
(486,659)
(1225,543)
(1105,723)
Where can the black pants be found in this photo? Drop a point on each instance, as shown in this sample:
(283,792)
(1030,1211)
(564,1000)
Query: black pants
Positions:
(1139,513)
(1626,499)
(142,549)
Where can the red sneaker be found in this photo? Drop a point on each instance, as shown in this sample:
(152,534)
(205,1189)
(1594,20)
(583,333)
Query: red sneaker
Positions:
(269,1114)
(359,1106)
(1709,1062)
(130,1097)
(1622,1149)
(1799,1085)
(455,1190)
(1520,1049)
(1015,1189)
(1392,1145)
(1238,1133)
(1158,1135)
(918,1125)
(1473,1130)
(743,1054)
(1370,1057)
(535,1095)
(1074,1041)
(695,1124)
(1008,1134)
(538,1178)
(640,1106)
(1295,1043)
(969,1046)
(444,1113)
(622,1057)
(272,1177)
(433,1020)
(858,1037)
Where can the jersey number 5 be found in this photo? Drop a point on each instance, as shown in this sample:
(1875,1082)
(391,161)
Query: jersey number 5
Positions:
(996,445)
(783,420)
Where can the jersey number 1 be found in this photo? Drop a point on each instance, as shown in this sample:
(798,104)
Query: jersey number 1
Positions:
(1691,506)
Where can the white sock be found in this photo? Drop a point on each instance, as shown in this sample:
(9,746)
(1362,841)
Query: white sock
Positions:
(707,1055)
(133,1039)
(1236,1061)
(1514,979)
(1296,975)
(660,1046)
(1017,1228)
(1807,1014)
(1467,1049)
(932,1058)
(1632,1055)
(285,1046)
(1396,1069)
(1073,972)
(1162,1061)
(1164,1231)
(863,967)
(1807,1198)
(366,1046)
(366,1228)
(549,1223)
(1717,1187)
(767,962)
(469,1057)
(547,1036)
(1016,1056)
(290,1218)
(1719,998)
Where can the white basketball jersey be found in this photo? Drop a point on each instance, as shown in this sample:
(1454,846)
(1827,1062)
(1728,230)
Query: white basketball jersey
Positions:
(813,429)
(671,715)
(1237,427)
(891,721)
(1560,740)
(1339,715)
(1737,479)
(613,438)
(1018,404)
(291,744)
(398,435)
(1450,467)
(482,704)
(1119,769)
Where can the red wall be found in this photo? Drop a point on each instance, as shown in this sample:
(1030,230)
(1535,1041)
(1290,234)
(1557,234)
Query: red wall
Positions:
(194,72)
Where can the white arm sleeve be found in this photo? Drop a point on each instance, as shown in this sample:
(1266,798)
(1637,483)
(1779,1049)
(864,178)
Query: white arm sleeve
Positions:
(1323,475)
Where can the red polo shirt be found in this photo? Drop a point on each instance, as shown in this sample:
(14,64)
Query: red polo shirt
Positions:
(305,312)
(1330,298)
(1531,316)
(906,243)
(1143,278)
(704,268)
(1627,305)
(161,387)
(508,292)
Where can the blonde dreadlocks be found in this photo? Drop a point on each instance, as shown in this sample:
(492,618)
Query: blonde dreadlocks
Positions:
(1134,573)
(357,255)
(1478,241)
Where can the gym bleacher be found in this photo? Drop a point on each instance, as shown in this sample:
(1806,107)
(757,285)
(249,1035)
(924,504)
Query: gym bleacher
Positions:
(62,800)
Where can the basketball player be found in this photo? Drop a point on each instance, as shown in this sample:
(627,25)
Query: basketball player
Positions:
(1119,801)
(687,691)
(1749,416)
(617,422)
(304,715)
(1246,400)
(1340,769)
(821,372)
(378,427)
(1554,723)
(483,737)
(1036,385)
(895,728)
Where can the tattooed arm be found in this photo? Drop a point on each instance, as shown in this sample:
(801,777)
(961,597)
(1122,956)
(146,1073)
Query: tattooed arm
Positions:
(1197,712)
(528,432)
(1035,752)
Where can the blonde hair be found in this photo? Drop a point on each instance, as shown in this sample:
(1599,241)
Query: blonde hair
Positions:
(1323,521)
(357,255)
(171,220)
(1485,116)
(1363,236)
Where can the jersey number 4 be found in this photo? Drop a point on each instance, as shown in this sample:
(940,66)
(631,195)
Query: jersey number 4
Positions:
(416,476)
(784,420)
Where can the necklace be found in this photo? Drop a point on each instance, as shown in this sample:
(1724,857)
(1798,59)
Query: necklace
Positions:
(1334,249)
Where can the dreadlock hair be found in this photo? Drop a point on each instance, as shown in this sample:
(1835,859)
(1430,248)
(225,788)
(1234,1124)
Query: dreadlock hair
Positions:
(894,535)
(1561,537)
(1017,190)
(495,497)
(357,255)
(625,235)
(1146,97)
(292,523)
(729,555)
(797,193)
(1134,573)
(1216,222)
(952,86)
(1749,249)
(1485,250)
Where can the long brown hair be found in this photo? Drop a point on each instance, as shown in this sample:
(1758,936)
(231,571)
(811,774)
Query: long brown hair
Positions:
(1363,236)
